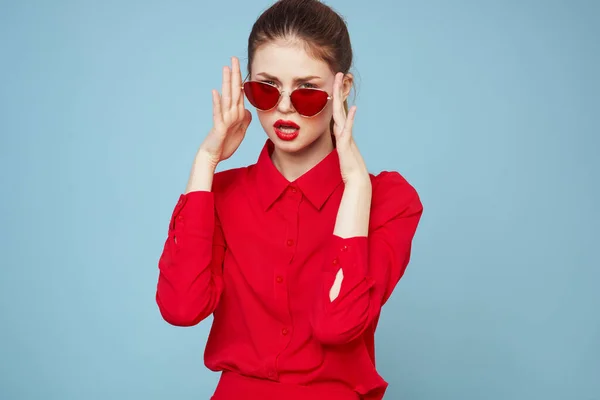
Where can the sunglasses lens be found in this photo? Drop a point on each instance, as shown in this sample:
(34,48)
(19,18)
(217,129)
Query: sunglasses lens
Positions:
(261,95)
(309,102)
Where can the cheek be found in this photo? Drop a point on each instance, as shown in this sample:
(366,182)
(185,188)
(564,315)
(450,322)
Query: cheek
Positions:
(318,124)
(266,120)
(324,118)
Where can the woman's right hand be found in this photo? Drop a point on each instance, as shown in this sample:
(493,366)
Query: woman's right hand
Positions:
(230,118)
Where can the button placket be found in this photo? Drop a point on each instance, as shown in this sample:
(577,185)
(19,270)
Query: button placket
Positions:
(290,206)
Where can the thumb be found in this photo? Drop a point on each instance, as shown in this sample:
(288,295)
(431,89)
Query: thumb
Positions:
(247,119)
(335,128)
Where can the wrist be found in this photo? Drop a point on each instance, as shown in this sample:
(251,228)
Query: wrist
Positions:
(359,181)
(205,159)
(202,173)
(354,210)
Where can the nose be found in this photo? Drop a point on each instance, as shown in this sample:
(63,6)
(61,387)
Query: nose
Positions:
(285,105)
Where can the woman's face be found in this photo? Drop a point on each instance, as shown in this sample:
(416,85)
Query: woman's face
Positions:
(286,65)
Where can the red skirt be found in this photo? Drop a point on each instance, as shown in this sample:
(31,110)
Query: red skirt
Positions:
(233,386)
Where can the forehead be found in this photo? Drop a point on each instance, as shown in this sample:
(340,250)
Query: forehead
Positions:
(287,60)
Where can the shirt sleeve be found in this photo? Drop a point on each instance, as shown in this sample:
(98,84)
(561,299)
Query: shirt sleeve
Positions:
(190,278)
(372,266)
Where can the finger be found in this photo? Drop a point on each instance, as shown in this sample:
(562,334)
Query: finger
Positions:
(236,82)
(226,90)
(338,104)
(341,88)
(341,112)
(349,122)
(217,115)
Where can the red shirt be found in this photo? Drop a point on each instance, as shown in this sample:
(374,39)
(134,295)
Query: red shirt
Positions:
(258,252)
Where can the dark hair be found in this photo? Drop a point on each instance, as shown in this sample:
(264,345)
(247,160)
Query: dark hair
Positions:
(322,30)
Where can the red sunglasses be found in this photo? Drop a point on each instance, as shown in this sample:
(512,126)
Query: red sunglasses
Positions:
(307,102)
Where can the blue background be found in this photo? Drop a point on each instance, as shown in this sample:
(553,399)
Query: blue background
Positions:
(490,109)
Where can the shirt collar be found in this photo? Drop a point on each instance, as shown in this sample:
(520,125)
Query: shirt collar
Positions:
(317,184)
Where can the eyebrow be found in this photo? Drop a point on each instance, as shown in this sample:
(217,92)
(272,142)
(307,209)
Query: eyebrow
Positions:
(296,80)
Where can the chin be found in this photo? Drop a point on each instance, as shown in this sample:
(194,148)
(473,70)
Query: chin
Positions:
(299,146)
(289,146)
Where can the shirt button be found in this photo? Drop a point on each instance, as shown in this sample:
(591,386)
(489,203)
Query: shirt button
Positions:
(290,242)
(279,279)
(284,331)
(294,190)
(345,248)
(335,261)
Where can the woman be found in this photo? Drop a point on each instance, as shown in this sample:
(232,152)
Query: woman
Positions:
(294,255)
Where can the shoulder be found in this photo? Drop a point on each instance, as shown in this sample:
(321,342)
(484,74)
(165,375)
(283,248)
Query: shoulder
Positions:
(393,196)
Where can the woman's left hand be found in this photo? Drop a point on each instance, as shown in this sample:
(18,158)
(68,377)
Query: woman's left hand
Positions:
(352,165)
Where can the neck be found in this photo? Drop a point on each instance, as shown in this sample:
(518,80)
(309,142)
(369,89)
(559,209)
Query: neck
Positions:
(293,165)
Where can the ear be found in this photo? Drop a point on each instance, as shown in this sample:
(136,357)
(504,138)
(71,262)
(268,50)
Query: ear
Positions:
(347,84)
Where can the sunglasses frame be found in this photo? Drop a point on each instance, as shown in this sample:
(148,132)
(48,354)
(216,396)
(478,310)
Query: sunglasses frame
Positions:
(281,92)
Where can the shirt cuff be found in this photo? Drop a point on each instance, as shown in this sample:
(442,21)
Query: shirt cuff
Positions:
(194,213)
(350,254)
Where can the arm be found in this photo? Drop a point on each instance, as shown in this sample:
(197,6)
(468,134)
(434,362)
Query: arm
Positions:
(362,270)
(190,266)
(352,220)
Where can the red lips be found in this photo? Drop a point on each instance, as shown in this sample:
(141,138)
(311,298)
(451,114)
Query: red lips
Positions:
(288,134)
(289,124)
